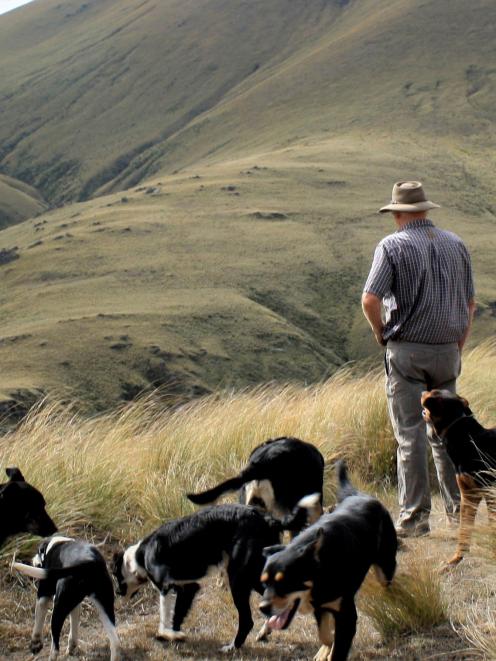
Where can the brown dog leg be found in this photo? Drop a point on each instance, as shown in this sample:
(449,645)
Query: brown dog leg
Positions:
(470,499)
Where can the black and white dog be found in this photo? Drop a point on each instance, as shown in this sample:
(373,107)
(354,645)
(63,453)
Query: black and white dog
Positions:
(322,569)
(22,508)
(280,472)
(177,556)
(70,570)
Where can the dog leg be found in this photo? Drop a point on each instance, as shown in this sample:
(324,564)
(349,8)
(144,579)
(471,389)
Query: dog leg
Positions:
(344,630)
(40,612)
(67,598)
(470,499)
(264,633)
(324,623)
(185,596)
(74,630)
(241,597)
(167,610)
(108,621)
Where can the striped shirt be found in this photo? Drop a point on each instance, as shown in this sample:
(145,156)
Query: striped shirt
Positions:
(423,276)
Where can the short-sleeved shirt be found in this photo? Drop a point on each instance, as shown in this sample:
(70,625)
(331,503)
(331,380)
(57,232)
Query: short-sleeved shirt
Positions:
(423,276)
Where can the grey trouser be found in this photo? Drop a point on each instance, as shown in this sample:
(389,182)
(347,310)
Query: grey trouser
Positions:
(410,369)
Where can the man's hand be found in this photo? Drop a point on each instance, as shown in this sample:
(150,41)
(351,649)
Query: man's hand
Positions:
(471,312)
(371,306)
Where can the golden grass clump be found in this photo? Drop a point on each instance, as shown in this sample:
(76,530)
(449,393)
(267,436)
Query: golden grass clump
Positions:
(132,467)
(127,471)
(413,603)
(480,629)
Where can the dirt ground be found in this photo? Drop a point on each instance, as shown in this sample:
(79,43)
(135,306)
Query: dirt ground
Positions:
(469,591)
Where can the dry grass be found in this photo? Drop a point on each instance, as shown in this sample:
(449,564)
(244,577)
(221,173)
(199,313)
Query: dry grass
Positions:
(123,473)
(128,471)
(413,603)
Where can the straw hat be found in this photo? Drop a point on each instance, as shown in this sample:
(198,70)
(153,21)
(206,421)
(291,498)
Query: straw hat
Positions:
(409,197)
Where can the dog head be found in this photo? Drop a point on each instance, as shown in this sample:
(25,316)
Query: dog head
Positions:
(23,507)
(441,408)
(287,579)
(128,574)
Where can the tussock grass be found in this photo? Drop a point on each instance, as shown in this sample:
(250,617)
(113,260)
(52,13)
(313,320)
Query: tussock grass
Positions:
(131,467)
(413,603)
(127,471)
(480,630)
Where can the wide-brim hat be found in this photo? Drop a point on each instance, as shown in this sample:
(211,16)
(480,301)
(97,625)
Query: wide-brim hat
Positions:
(408,197)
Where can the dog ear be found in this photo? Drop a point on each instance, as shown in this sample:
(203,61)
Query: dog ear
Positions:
(270,550)
(15,474)
(466,407)
(318,542)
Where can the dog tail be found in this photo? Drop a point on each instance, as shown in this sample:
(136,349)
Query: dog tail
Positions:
(307,510)
(205,497)
(54,573)
(345,489)
(29,570)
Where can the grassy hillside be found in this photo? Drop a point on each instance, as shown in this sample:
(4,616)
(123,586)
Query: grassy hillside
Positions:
(266,136)
(245,272)
(101,94)
(114,478)
(18,201)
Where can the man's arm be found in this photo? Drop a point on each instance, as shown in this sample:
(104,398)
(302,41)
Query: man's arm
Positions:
(471,310)
(371,306)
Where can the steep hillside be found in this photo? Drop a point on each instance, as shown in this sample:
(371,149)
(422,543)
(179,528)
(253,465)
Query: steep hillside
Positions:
(99,85)
(18,201)
(97,95)
(254,141)
(229,275)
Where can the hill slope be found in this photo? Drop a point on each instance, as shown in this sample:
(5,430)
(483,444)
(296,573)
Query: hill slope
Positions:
(275,131)
(245,272)
(101,94)
(18,201)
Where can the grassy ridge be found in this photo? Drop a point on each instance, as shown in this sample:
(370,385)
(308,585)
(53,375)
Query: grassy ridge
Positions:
(129,470)
(112,92)
(119,475)
(18,201)
(242,273)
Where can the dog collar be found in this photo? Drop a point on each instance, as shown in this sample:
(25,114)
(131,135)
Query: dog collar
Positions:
(442,433)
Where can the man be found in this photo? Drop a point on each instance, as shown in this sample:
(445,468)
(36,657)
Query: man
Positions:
(422,275)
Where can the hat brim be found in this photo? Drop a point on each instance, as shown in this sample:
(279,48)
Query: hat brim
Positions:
(409,208)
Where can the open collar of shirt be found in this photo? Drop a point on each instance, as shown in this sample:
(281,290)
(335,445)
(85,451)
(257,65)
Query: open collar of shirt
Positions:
(420,222)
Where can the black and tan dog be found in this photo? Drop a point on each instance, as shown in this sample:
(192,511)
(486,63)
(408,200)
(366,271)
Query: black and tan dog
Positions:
(322,569)
(70,570)
(279,473)
(22,508)
(472,449)
(177,556)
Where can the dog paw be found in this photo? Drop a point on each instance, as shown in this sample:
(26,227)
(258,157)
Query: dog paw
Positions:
(324,654)
(171,635)
(36,645)
(263,634)
(226,649)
